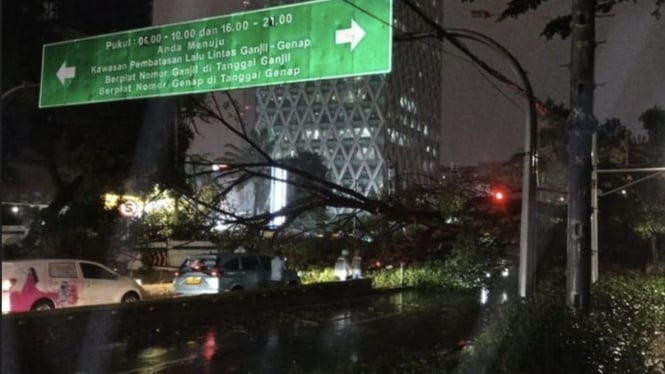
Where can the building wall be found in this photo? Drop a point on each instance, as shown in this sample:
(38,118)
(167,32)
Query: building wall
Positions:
(414,90)
(369,129)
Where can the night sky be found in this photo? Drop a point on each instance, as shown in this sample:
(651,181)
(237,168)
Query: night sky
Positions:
(481,125)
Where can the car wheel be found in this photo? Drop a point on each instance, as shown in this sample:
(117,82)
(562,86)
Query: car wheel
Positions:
(236,288)
(130,297)
(42,305)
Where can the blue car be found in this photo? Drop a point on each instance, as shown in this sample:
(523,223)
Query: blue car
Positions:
(215,273)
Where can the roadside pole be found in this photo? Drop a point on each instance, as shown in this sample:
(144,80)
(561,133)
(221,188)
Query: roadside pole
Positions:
(580,128)
(594,208)
(528,243)
(654,173)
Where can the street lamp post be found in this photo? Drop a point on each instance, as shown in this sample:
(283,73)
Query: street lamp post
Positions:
(528,219)
(527,227)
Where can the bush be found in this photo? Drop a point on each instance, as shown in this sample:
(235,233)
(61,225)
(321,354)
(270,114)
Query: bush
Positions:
(542,335)
(317,275)
(429,275)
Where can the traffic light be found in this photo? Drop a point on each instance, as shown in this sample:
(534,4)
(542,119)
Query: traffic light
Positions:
(497,200)
(499,195)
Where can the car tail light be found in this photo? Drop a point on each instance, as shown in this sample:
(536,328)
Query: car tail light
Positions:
(215,272)
(7,284)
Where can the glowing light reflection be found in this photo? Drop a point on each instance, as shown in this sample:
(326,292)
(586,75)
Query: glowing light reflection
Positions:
(210,345)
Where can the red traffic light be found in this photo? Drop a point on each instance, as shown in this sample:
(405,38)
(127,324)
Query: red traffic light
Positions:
(499,195)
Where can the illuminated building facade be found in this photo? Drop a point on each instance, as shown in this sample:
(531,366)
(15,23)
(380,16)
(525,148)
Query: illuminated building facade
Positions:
(369,129)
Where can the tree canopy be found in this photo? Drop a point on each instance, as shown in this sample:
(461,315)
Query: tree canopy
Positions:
(84,151)
(561,25)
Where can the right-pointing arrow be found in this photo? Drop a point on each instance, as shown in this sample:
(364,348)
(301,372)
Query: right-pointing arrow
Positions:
(65,72)
(352,35)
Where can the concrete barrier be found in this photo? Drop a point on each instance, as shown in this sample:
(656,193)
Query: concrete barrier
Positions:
(113,321)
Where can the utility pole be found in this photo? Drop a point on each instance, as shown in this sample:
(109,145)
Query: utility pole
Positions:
(580,128)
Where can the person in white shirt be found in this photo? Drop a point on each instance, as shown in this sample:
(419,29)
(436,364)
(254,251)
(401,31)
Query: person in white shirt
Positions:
(356,265)
(277,269)
(342,269)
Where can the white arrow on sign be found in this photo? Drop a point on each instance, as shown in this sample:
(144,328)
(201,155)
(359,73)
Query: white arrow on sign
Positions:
(65,72)
(352,35)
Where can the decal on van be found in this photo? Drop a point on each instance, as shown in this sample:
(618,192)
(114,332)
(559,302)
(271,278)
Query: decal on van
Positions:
(66,295)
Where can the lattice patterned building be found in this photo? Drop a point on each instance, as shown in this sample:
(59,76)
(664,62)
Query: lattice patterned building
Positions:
(371,129)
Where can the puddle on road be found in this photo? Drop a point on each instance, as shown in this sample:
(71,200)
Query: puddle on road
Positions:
(327,337)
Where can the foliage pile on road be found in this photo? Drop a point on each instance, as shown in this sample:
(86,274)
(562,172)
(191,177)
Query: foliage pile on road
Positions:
(621,334)
(472,259)
(429,275)
(317,275)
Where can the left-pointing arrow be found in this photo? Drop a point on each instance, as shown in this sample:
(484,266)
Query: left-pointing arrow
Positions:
(65,72)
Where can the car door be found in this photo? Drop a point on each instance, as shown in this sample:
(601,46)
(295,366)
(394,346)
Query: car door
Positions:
(101,284)
(232,275)
(252,274)
(265,269)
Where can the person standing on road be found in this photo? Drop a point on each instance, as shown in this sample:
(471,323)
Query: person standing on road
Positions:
(277,269)
(342,268)
(356,265)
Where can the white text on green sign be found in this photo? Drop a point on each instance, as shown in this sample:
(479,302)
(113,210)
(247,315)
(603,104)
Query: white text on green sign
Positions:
(301,42)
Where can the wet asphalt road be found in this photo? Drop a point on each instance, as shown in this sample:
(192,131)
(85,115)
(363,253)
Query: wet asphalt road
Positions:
(372,331)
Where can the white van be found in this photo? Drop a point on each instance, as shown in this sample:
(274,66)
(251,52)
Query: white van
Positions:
(29,285)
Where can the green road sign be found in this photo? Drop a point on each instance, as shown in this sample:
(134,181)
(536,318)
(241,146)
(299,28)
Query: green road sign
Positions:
(294,43)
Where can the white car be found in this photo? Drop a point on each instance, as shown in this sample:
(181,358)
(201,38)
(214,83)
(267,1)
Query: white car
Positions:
(30,285)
